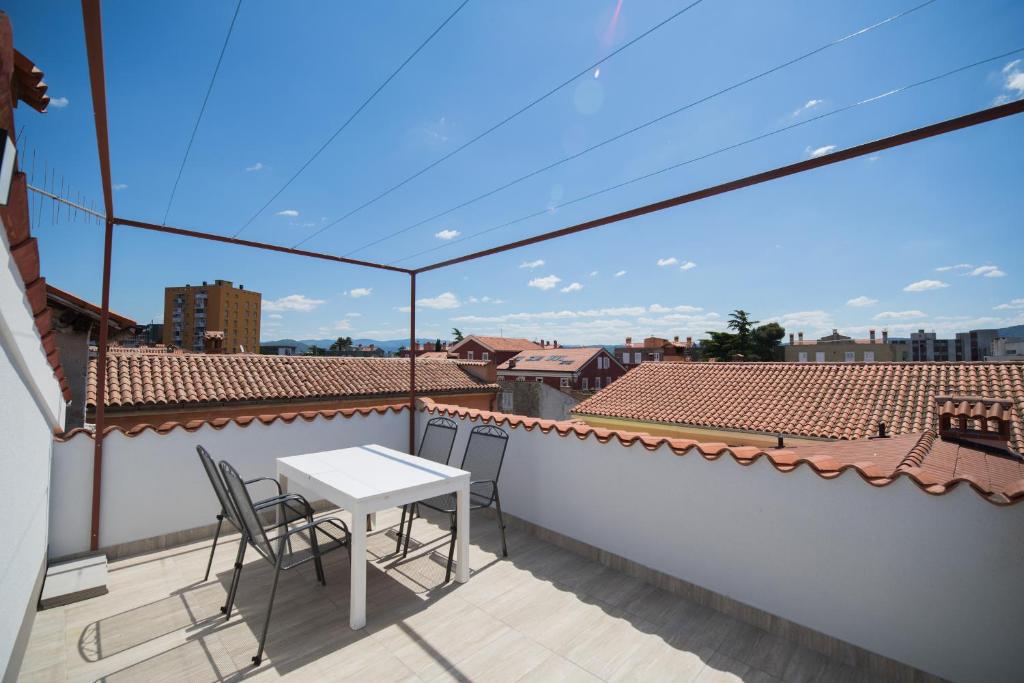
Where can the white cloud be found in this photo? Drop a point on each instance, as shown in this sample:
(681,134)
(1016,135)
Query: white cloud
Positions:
(987,271)
(593,273)
(925,285)
(483,300)
(447,234)
(292,302)
(340,326)
(814,323)
(119,186)
(532,264)
(359,292)
(900,315)
(620,273)
(1013,83)
(819,152)
(959,266)
(290,213)
(861,302)
(689,265)
(353,315)
(547,282)
(670,261)
(658,308)
(275,316)
(1013,305)
(574,287)
(444,301)
(810,104)
(258,166)
(59,102)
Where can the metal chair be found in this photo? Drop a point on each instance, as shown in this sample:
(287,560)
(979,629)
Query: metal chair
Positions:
(324,535)
(290,507)
(436,446)
(484,454)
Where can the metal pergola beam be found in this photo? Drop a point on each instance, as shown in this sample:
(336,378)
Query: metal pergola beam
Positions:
(94,49)
(933,130)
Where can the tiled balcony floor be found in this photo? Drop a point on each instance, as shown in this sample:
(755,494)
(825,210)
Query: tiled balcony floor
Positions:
(543,614)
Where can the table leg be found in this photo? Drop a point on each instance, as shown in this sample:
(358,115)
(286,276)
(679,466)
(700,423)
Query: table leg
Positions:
(357,589)
(283,481)
(371,521)
(462,543)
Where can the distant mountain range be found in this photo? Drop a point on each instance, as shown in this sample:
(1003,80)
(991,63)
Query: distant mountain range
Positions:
(302,345)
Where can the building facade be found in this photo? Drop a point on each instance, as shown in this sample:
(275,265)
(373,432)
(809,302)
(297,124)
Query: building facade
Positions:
(975,345)
(579,369)
(656,350)
(1007,348)
(838,348)
(190,311)
(925,346)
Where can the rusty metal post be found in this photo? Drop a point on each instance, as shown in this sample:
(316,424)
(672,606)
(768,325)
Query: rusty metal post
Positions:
(412,362)
(101,389)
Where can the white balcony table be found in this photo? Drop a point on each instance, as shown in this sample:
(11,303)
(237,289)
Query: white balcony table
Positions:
(367,479)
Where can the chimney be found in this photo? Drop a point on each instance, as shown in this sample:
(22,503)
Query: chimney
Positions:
(543,344)
(689,341)
(629,341)
(977,420)
(871,334)
(554,343)
(241,286)
(676,339)
(885,336)
(792,338)
(801,336)
(512,364)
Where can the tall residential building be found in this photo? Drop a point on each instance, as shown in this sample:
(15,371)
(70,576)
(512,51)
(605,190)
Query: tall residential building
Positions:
(925,346)
(975,345)
(192,311)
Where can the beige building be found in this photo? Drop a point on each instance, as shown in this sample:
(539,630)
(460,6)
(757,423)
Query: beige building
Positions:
(838,348)
(192,311)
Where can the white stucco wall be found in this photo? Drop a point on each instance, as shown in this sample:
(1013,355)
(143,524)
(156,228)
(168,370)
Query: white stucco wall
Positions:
(931,581)
(31,406)
(154,484)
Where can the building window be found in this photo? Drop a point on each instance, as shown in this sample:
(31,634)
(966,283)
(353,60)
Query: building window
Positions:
(607,381)
(506,401)
(638,357)
(802,357)
(539,379)
(869,356)
(625,357)
(563,382)
(469,355)
(657,356)
(502,378)
(485,356)
(819,356)
(597,383)
(850,356)
(520,378)
(584,384)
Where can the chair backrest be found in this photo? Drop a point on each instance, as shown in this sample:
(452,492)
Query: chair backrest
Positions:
(485,452)
(227,508)
(438,440)
(247,515)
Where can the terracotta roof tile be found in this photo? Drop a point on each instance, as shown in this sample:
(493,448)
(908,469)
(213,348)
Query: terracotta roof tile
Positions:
(500,343)
(829,400)
(135,379)
(552,359)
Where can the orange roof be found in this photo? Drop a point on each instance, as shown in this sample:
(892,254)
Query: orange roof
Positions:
(829,400)
(69,300)
(499,343)
(135,380)
(551,360)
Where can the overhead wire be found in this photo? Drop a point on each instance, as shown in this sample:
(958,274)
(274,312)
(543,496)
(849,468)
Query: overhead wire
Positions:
(202,109)
(721,150)
(501,123)
(351,117)
(639,127)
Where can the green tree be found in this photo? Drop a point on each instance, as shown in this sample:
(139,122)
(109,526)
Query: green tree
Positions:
(457,334)
(719,347)
(315,350)
(341,344)
(400,351)
(437,344)
(766,341)
(743,326)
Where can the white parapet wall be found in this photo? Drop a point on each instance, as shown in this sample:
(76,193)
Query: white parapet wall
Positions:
(934,582)
(153,483)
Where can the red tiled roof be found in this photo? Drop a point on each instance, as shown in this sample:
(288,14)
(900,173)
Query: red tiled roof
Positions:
(829,400)
(947,465)
(180,379)
(499,343)
(69,300)
(551,360)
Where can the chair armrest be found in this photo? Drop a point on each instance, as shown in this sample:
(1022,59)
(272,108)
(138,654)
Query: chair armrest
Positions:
(284,499)
(271,479)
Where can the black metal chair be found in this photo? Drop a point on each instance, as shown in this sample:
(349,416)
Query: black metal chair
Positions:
(484,454)
(290,507)
(324,535)
(436,446)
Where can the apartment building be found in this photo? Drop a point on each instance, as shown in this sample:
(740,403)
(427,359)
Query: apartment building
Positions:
(925,346)
(839,348)
(656,350)
(975,345)
(192,310)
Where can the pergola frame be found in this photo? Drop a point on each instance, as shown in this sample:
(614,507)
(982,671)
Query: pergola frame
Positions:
(92,20)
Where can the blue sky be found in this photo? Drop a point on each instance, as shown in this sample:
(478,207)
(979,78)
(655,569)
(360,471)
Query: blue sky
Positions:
(928,235)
